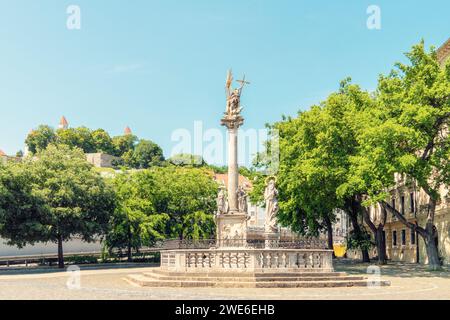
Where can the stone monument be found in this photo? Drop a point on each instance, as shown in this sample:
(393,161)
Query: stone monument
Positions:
(233,260)
(232,223)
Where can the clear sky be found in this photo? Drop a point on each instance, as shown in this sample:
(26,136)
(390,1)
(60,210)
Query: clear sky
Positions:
(160,65)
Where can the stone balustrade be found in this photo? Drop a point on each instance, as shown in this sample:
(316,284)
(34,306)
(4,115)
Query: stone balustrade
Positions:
(248,260)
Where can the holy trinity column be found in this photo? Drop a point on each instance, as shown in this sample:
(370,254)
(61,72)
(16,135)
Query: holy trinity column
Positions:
(232,216)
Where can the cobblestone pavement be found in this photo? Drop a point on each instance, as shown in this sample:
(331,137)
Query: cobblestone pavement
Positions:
(408,282)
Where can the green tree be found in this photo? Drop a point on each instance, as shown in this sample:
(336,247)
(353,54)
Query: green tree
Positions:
(40,138)
(75,199)
(135,222)
(77,138)
(144,155)
(124,144)
(185,159)
(317,149)
(23,216)
(163,202)
(198,225)
(102,142)
(182,192)
(411,136)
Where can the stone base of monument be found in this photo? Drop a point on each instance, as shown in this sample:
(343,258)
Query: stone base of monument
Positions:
(248,268)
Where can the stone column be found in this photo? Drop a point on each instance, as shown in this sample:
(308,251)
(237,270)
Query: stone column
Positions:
(233,170)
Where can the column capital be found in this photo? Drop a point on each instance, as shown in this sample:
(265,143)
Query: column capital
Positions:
(232,122)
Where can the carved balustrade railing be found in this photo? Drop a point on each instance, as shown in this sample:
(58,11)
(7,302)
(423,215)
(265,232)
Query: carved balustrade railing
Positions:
(247,259)
(304,243)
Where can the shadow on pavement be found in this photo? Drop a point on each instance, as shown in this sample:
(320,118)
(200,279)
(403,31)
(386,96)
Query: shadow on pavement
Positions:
(392,269)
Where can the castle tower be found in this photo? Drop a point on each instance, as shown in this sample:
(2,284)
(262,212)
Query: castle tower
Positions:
(63,124)
(127,131)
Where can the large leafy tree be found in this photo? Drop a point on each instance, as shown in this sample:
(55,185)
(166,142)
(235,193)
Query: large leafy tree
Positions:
(162,202)
(317,152)
(183,192)
(135,222)
(102,141)
(40,138)
(144,155)
(73,199)
(124,144)
(411,136)
(77,138)
(23,216)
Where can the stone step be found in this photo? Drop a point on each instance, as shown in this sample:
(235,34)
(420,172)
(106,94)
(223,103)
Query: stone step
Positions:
(227,273)
(263,278)
(146,282)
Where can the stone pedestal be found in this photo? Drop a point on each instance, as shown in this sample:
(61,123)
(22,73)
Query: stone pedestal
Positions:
(231,230)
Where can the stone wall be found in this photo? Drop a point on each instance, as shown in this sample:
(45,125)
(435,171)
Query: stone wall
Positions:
(73,246)
(101,160)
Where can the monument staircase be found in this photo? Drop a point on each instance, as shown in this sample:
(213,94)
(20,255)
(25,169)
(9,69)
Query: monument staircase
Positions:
(249,264)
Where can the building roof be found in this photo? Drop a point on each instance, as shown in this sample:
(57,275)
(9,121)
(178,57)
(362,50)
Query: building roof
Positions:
(127,131)
(63,122)
(444,52)
(2,154)
(222,178)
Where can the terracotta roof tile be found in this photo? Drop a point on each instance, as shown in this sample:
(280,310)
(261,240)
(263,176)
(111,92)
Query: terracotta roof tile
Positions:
(223,178)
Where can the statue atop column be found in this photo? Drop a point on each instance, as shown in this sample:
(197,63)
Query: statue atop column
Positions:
(232,117)
(270,197)
(232,215)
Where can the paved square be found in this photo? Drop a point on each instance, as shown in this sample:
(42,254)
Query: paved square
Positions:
(409,282)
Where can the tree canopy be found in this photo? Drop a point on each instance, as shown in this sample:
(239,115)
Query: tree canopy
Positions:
(53,197)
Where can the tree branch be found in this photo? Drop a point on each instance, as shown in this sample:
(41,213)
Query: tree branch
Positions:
(403,220)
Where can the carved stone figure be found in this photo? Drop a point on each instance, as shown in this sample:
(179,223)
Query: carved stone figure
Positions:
(242,199)
(222,202)
(270,196)
(233,96)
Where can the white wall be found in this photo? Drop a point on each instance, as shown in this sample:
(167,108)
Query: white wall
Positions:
(74,246)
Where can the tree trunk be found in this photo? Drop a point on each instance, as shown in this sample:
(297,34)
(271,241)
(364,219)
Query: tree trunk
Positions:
(330,234)
(429,233)
(129,253)
(378,234)
(434,262)
(381,245)
(60,253)
(357,229)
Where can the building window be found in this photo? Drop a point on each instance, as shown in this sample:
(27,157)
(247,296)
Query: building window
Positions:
(402,205)
(393,203)
(394,238)
(413,237)
(411,202)
(403,237)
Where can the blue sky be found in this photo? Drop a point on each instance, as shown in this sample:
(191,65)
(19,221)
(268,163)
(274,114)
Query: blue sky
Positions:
(160,65)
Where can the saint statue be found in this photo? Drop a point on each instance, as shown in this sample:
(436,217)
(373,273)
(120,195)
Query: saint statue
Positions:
(270,196)
(242,199)
(222,202)
(233,96)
